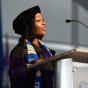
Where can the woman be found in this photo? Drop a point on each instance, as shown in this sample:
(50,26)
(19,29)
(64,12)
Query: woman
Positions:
(30,49)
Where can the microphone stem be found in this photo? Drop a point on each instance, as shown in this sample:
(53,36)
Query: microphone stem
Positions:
(80,22)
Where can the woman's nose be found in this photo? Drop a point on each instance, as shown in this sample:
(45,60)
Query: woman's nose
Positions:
(44,22)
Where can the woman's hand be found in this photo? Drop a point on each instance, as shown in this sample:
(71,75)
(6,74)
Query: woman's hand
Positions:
(39,60)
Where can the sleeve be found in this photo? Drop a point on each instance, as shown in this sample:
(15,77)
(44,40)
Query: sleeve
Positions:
(18,73)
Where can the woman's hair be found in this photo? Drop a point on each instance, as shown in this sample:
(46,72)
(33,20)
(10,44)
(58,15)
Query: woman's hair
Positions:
(30,31)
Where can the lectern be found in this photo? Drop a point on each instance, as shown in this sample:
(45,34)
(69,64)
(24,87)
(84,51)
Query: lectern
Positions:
(62,66)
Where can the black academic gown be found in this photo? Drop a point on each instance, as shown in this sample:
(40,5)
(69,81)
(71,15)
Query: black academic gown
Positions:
(20,76)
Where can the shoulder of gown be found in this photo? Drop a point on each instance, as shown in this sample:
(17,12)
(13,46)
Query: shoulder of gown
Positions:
(19,50)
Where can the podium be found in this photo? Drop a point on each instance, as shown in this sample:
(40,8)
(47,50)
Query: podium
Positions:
(62,66)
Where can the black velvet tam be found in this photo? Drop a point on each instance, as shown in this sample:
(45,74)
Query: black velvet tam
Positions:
(22,20)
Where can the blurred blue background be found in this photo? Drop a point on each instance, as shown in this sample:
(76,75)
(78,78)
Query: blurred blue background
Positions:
(60,36)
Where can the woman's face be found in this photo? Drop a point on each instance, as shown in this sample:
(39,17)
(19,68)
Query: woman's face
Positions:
(39,25)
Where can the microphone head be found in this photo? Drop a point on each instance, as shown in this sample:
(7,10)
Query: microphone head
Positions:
(68,21)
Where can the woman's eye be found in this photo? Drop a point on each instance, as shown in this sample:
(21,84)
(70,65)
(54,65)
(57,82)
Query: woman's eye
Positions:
(38,20)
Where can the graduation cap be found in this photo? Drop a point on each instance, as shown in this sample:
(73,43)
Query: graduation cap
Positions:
(22,20)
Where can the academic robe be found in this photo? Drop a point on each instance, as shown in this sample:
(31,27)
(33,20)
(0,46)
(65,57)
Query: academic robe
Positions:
(20,76)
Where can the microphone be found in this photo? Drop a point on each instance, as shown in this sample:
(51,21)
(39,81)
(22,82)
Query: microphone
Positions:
(68,21)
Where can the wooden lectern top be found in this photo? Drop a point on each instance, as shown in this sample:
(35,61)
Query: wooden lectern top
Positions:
(77,55)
